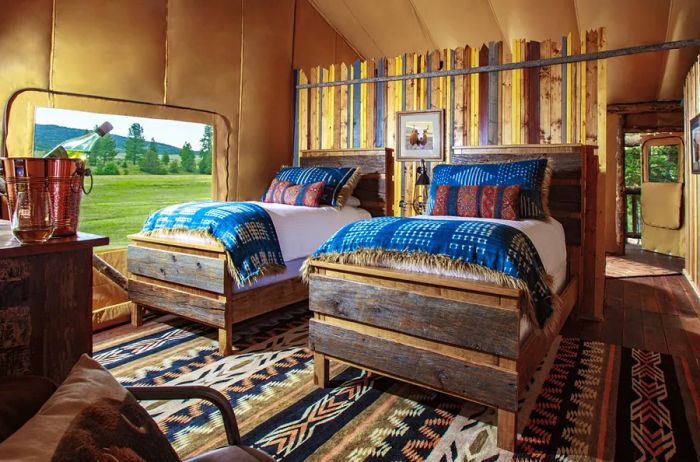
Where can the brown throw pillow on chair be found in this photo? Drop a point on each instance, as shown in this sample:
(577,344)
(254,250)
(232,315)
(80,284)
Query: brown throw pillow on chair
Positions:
(91,417)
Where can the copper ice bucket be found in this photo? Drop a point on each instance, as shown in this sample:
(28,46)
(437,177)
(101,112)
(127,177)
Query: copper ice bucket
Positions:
(64,179)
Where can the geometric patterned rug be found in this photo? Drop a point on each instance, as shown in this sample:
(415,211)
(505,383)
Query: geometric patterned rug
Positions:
(588,400)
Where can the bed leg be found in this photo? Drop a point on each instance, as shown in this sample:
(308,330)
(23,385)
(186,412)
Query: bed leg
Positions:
(321,366)
(137,312)
(226,341)
(507,431)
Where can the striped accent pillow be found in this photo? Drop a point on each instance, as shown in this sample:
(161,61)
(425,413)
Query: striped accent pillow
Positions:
(339,182)
(285,192)
(477,201)
(531,175)
(275,190)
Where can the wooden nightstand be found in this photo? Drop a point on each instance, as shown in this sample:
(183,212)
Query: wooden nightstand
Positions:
(45,303)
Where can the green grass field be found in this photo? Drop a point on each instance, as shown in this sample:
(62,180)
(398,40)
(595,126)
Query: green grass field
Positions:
(118,205)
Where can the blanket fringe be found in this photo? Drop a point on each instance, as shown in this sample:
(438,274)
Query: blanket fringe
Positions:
(175,232)
(441,265)
(267,270)
(546,183)
(235,273)
(348,188)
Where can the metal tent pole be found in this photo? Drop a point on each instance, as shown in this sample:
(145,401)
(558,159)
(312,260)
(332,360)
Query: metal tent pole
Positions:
(519,65)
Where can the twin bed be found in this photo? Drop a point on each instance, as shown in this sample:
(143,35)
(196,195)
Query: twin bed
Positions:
(186,275)
(457,335)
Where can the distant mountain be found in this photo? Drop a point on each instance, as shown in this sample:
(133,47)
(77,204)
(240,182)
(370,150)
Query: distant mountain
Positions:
(48,136)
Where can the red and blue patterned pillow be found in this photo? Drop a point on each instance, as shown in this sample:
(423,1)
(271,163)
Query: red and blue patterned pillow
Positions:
(339,181)
(286,192)
(532,175)
(477,201)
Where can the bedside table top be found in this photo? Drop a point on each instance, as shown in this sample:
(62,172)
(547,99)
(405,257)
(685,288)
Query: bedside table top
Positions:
(11,247)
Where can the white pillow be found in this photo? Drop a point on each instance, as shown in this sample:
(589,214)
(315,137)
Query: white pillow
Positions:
(353,201)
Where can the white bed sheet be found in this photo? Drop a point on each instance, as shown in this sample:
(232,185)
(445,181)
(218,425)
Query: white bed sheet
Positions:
(292,271)
(546,235)
(300,230)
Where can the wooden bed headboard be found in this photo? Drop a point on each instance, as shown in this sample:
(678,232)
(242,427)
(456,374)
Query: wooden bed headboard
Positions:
(377,167)
(572,201)
(574,174)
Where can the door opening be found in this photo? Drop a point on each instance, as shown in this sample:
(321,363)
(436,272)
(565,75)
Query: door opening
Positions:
(633,188)
(661,194)
(653,207)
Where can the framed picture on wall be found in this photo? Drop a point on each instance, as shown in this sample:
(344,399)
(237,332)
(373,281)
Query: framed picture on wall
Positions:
(420,135)
(695,143)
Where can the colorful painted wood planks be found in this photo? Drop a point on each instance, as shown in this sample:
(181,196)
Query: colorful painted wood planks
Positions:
(563,103)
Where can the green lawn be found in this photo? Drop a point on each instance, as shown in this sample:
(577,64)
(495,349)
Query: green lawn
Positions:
(118,205)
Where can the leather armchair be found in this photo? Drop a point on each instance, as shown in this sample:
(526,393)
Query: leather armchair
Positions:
(234,452)
(22,396)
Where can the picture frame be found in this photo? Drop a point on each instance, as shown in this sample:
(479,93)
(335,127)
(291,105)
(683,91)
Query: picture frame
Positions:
(695,144)
(420,135)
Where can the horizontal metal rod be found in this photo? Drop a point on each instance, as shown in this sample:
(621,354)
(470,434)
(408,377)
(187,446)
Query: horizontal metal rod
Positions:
(519,65)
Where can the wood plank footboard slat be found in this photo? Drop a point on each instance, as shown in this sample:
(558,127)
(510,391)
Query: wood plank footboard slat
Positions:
(212,249)
(420,278)
(193,307)
(254,302)
(487,385)
(181,268)
(482,328)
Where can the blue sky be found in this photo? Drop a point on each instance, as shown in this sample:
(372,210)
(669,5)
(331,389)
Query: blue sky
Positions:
(173,132)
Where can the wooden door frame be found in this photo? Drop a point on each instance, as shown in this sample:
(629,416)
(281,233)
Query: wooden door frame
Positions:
(647,117)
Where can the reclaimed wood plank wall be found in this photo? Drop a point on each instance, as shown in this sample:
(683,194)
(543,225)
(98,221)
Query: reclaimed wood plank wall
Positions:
(556,104)
(691,107)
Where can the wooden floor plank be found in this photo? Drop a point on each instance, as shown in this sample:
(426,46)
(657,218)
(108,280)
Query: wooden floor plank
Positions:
(691,327)
(640,264)
(614,290)
(677,340)
(658,313)
(637,262)
(654,336)
(683,303)
(692,297)
(612,328)
(633,329)
(679,298)
(649,294)
(123,330)
(666,296)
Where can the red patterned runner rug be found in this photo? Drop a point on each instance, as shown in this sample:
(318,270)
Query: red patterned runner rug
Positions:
(609,402)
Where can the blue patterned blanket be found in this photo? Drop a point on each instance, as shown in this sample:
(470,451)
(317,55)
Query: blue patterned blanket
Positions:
(495,252)
(245,230)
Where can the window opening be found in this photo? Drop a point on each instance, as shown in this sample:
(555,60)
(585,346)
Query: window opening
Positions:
(141,165)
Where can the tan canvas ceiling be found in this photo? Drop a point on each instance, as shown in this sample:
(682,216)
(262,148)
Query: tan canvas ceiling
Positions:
(391,27)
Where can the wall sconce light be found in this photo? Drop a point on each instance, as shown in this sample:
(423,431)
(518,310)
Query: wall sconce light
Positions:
(420,192)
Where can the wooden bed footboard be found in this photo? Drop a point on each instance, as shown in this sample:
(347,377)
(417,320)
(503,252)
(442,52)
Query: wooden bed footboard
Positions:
(191,281)
(451,335)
